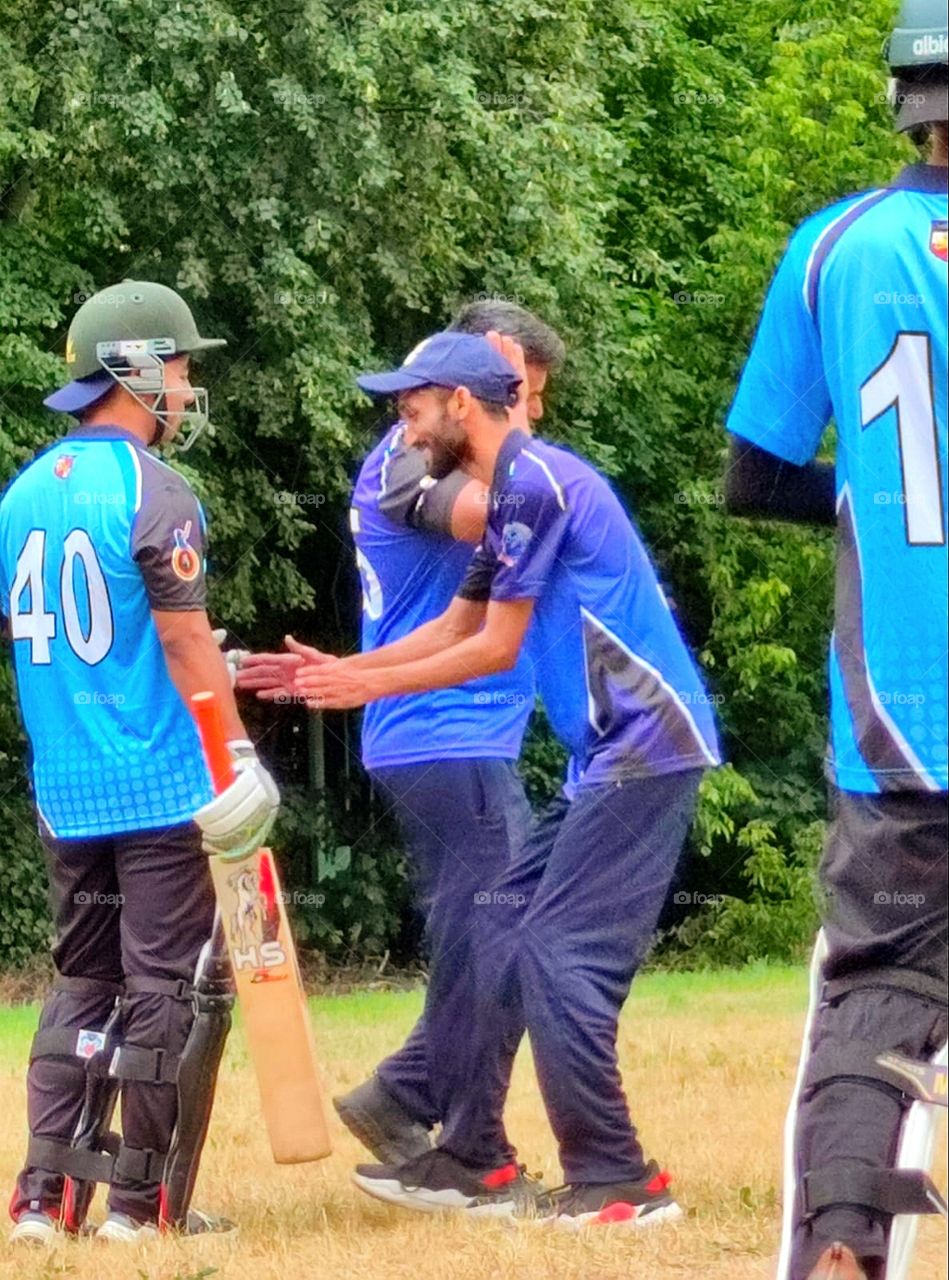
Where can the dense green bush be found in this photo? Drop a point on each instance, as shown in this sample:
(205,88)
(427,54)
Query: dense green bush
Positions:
(326,182)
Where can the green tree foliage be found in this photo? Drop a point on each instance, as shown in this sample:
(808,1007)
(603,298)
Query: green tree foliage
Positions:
(326,181)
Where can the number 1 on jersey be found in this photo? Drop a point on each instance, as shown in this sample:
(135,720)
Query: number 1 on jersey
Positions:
(904,382)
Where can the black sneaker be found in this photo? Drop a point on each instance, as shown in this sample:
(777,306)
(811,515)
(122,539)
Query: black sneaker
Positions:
(647,1202)
(382,1126)
(436,1181)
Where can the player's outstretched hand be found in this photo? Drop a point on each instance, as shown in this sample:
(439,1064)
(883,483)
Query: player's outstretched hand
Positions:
(332,686)
(271,675)
(513,353)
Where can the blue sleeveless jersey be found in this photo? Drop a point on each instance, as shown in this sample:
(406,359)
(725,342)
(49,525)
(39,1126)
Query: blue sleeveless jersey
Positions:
(409,574)
(94,533)
(854,328)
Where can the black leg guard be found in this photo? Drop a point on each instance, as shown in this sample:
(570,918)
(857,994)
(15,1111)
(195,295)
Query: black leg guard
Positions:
(852,1112)
(197,1078)
(194,1073)
(87,1158)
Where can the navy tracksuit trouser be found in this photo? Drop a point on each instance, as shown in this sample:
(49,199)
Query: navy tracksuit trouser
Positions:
(462,821)
(556,942)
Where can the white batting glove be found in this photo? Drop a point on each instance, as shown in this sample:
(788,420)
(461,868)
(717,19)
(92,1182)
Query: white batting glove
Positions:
(238,820)
(232,657)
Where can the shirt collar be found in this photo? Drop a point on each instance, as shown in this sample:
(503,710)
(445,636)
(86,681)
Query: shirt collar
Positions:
(923,177)
(104,431)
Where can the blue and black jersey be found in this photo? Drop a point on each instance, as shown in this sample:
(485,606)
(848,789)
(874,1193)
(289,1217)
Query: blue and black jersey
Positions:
(854,329)
(615,675)
(411,569)
(95,533)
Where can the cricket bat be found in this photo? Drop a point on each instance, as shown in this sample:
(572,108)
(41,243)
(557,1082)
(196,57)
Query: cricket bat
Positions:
(266,976)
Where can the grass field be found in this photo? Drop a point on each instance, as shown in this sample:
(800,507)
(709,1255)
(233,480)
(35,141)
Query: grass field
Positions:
(708,1061)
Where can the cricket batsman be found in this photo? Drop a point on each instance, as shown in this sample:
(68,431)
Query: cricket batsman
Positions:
(854,329)
(414,532)
(102,592)
(561,932)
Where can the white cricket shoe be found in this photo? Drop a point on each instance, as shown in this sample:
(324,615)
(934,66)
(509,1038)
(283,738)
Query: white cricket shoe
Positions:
(37,1229)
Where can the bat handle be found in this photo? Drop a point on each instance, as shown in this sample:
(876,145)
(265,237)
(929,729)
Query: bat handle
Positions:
(207,715)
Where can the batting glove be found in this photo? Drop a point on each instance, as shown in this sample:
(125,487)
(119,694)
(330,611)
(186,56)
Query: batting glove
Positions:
(238,820)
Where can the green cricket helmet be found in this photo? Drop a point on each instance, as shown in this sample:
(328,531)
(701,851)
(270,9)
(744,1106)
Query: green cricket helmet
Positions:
(918,55)
(123,335)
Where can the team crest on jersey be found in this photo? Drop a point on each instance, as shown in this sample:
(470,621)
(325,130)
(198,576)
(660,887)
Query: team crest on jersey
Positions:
(514,540)
(939,239)
(185,561)
(63,465)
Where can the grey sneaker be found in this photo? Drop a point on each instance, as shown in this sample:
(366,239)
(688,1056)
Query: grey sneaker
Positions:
(121,1228)
(383,1127)
(34,1228)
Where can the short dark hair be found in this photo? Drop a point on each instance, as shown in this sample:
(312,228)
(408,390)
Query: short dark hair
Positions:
(542,344)
(493,408)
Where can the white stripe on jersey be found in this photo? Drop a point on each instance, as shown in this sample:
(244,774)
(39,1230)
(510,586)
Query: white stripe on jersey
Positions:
(909,754)
(558,490)
(658,676)
(138,477)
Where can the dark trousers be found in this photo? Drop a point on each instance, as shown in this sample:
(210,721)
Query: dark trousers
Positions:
(883,877)
(461,821)
(133,906)
(556,942)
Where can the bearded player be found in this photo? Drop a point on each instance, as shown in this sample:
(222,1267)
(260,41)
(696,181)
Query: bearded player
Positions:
(414,532)
(854,329)
(103,592)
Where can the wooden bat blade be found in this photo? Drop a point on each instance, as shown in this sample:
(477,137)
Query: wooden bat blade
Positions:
(266,976)
(273,1005)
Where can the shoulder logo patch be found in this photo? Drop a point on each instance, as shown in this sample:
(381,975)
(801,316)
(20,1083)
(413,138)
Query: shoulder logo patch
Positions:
(63,465)
(185,561)
(939,239)
(514,540)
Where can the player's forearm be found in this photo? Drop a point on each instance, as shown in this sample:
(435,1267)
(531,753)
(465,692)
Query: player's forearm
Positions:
(472,657)
(760,484)
(196,665)
(425,641)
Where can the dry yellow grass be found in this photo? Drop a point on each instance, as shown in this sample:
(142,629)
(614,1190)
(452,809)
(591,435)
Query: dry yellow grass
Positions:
(708,1063)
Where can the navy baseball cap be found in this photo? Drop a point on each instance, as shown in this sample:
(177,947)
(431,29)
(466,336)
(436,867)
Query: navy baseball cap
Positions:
(450,360)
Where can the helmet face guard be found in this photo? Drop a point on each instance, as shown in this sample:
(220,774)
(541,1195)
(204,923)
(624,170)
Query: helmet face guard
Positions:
(122,336)
(138,365)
